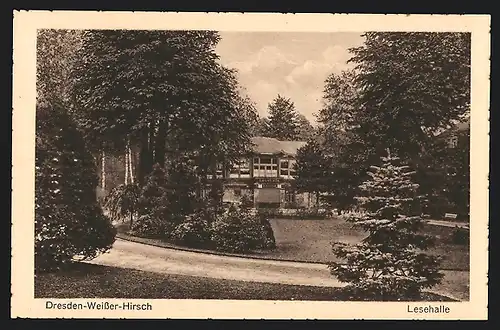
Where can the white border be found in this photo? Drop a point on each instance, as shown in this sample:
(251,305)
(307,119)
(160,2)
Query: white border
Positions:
(27,22)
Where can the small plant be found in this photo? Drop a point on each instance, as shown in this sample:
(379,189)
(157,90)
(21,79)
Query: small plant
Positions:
(269,242)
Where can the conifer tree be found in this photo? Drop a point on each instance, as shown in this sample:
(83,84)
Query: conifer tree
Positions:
(390,263)
(282,121)
(68,219)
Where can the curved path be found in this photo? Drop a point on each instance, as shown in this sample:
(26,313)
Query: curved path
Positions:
(126,254)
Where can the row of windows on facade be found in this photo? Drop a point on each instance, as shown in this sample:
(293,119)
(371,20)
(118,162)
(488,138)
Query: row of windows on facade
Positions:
(263,167)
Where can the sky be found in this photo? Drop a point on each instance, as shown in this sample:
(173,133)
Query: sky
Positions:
(292,64)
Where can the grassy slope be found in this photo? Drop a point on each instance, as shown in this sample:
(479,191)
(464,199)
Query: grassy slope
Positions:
(310,240)
(95,281)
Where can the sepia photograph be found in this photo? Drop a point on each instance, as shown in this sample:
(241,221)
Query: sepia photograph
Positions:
(236,165)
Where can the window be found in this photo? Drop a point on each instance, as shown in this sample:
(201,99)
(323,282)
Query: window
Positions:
(286,168)
(265,167)
(241,169)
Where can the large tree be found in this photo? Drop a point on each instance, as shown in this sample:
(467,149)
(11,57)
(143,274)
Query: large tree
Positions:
(282,120)
(160,90)
(56,52)
(261,127)
(349,153)
(68,220)
(306,130)
(412,84)
(403,88)
(312,169)
(340,102)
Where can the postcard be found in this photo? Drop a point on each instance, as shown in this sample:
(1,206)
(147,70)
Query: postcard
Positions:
(250,165)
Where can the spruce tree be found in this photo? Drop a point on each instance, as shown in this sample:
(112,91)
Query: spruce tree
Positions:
(283,120)
(68,219)
(390,263)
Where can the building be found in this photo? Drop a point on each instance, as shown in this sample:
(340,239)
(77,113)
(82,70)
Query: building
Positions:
(264,176)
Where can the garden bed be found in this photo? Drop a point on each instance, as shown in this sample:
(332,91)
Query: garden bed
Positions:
(96,281)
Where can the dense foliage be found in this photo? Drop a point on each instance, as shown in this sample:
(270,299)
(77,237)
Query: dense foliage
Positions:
(389,263)
(159,90)
(194,231)
(68,220)
(282,122)
(122,202)
(241,230)
(401,90)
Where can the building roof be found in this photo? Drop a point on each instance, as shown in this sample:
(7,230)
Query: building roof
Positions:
(266,145)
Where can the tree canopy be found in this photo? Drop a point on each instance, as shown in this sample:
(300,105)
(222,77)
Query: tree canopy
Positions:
(402,89)
(411,85)
(282,121)
(155,87)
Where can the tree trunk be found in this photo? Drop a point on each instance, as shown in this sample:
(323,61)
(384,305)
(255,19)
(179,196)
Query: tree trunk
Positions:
(145,156)
(159,156)
(126,165)
(130,164)
(131,219)
(103,171)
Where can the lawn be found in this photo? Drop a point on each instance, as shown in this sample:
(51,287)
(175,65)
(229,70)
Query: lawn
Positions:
(95,281)
(310,240)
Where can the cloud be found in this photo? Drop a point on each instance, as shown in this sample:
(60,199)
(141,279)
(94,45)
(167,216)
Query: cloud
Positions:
(312,73)
(336,54)
(263,92)
(267,58)
(292,65)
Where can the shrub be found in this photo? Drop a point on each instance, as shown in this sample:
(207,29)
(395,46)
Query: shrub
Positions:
(149,225)
(240,230)
(460,236)
(69,222)
(159,210)
(193,232)
(123,202)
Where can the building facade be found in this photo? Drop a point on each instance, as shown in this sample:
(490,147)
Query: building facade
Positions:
(264,177)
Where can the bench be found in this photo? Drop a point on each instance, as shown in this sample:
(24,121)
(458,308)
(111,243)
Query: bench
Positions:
(450,216)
